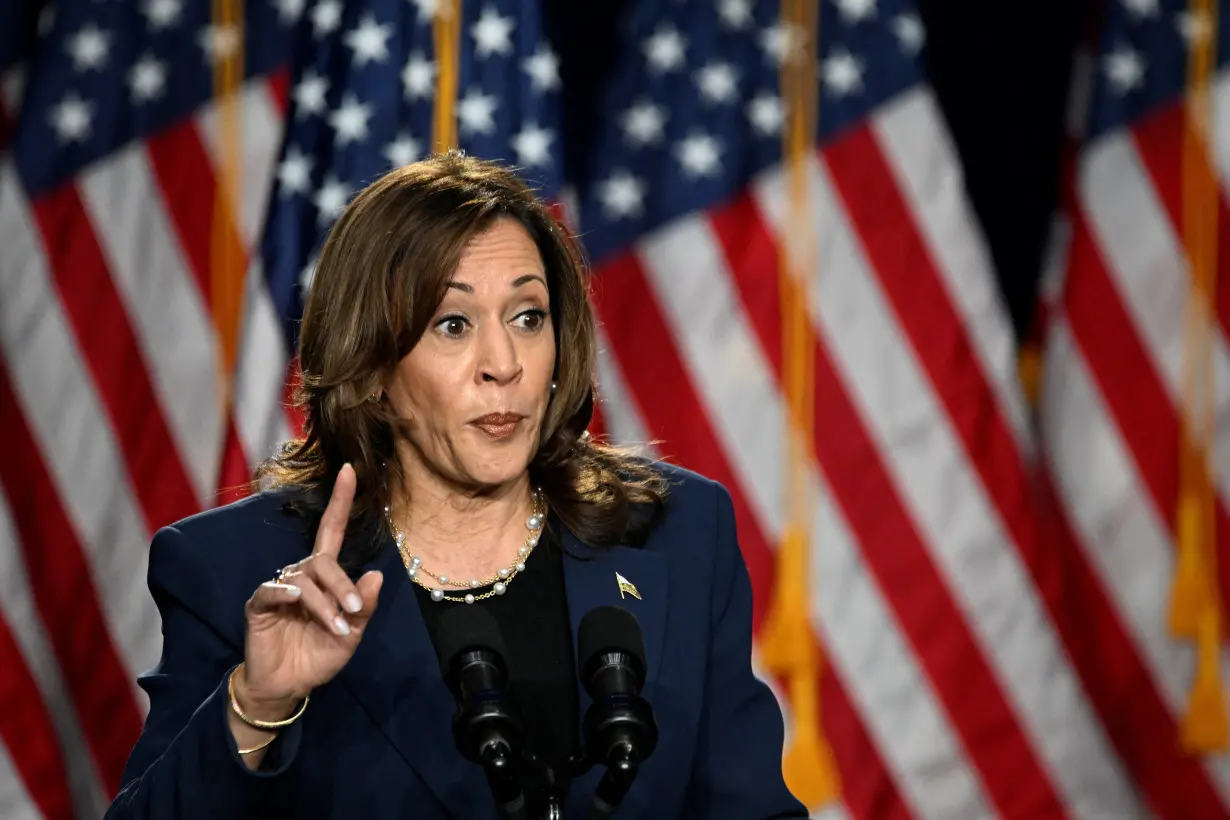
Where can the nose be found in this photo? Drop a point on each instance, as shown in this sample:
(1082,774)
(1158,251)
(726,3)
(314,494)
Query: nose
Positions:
(497,355)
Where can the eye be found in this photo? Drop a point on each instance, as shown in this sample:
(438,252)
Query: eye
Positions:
(531,320)
(452,326)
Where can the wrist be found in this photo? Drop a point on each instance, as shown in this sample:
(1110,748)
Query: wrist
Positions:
(253,707)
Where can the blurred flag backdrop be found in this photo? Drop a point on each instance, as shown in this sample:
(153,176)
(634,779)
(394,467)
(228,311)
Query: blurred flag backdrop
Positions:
(1134,397)
(944,643)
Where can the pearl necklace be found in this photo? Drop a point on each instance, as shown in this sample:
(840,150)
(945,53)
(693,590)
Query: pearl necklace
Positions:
(499,582)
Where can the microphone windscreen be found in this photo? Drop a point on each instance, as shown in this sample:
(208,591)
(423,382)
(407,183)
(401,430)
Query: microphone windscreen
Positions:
(463,628)
(607,629)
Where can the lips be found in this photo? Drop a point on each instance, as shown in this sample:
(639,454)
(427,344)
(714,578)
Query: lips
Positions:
(498,425)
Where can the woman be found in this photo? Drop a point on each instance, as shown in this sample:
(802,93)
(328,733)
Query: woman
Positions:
(447,351)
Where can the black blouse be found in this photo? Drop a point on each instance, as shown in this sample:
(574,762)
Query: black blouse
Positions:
(542,678)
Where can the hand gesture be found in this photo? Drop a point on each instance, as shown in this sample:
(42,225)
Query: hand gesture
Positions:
(303,628)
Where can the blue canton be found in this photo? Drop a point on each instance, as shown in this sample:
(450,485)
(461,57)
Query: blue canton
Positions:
(107,73)
(695,111)
(1141,60)
(361,104)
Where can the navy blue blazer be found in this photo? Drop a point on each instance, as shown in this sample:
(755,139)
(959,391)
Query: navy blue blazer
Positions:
(376,742)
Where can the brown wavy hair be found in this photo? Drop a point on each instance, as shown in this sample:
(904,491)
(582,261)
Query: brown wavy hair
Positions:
(382,273)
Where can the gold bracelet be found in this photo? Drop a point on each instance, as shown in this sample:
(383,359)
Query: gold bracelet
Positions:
(258,748)
(253,722)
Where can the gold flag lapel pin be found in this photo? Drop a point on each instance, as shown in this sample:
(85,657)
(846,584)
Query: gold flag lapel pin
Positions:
(626,587)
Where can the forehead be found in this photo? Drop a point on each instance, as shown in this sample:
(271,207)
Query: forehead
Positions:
(504,247)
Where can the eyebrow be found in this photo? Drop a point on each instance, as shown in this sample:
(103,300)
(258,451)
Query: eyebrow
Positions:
(520,281)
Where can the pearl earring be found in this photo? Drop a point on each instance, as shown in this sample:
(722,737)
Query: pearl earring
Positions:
(553,387)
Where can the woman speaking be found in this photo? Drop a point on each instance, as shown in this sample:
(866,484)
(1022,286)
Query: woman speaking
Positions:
(312,632)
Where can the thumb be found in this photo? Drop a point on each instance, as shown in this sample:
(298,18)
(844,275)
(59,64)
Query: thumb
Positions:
(368,585)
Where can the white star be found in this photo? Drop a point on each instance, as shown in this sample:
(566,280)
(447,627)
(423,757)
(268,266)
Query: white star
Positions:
(910,33)
(492,34)
(643,124)
(418,78)
(476,112)
(289,11)
(718,83)
(310,94)
(855,11)
(783,42)
(295,172)
(46,20)
(542,68)
(532,145)
(842,72)
(403,150)
(664,49)
(622,195)
(308,274)
(331,199)
(1141,9)
(88,48)
(1193,26)
(427,9)
(148,79)
(1124,68)
(700,155)
(735,14)
(766,114)
(162,14)
(220,42)
(369,41)
(71,118)
(349,121)
(326,17)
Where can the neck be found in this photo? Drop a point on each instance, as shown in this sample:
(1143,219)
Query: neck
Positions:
(458,531)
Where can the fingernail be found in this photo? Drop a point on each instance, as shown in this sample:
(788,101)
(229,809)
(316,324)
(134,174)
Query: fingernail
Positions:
(353,603)
(294,591)
(340,626)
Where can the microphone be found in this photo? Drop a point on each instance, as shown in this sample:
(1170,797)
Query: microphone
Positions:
(620,728)
(486,728)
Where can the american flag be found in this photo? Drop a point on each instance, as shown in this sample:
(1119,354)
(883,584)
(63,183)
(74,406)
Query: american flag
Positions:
(956,681)
(1115,387)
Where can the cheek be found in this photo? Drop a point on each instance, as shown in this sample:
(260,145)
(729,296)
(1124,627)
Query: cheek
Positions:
(431,393)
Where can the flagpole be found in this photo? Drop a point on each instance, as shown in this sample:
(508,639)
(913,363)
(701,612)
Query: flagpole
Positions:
(227,257)
(789,647)
(1195,606)
(446,26)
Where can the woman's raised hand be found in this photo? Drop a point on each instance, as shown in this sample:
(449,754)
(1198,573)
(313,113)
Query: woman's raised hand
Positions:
(303,629)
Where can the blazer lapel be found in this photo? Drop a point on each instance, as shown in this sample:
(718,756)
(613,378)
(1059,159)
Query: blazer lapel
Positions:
(395,676)
(628,577)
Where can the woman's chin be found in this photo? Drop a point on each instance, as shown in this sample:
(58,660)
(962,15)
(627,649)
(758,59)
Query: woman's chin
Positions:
(488,470)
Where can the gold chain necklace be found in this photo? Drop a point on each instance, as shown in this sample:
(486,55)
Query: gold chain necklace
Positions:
(499,581)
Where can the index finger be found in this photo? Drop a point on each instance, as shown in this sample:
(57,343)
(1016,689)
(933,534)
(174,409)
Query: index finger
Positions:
(333,523)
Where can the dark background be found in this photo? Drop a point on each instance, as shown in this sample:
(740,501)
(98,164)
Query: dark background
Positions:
(999,70)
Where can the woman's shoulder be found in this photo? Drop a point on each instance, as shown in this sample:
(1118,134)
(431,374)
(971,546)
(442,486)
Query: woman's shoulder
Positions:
(211,562)
(260,514)
(692,500)
(252,534)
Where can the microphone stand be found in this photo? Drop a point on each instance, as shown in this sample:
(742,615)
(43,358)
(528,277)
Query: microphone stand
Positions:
(622,767)
(498,765)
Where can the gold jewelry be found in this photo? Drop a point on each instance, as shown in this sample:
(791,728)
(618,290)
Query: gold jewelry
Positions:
(253,722)
(258,748)
(499,581)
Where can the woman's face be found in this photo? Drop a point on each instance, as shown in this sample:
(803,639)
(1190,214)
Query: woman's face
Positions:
(475,388)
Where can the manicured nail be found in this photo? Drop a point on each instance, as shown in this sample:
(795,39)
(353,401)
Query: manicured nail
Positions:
(353,603)
(340,626)
(292,591)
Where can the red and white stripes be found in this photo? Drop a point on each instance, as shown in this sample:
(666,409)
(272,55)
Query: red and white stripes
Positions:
(1110,418)
(952,691)
(115,426)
